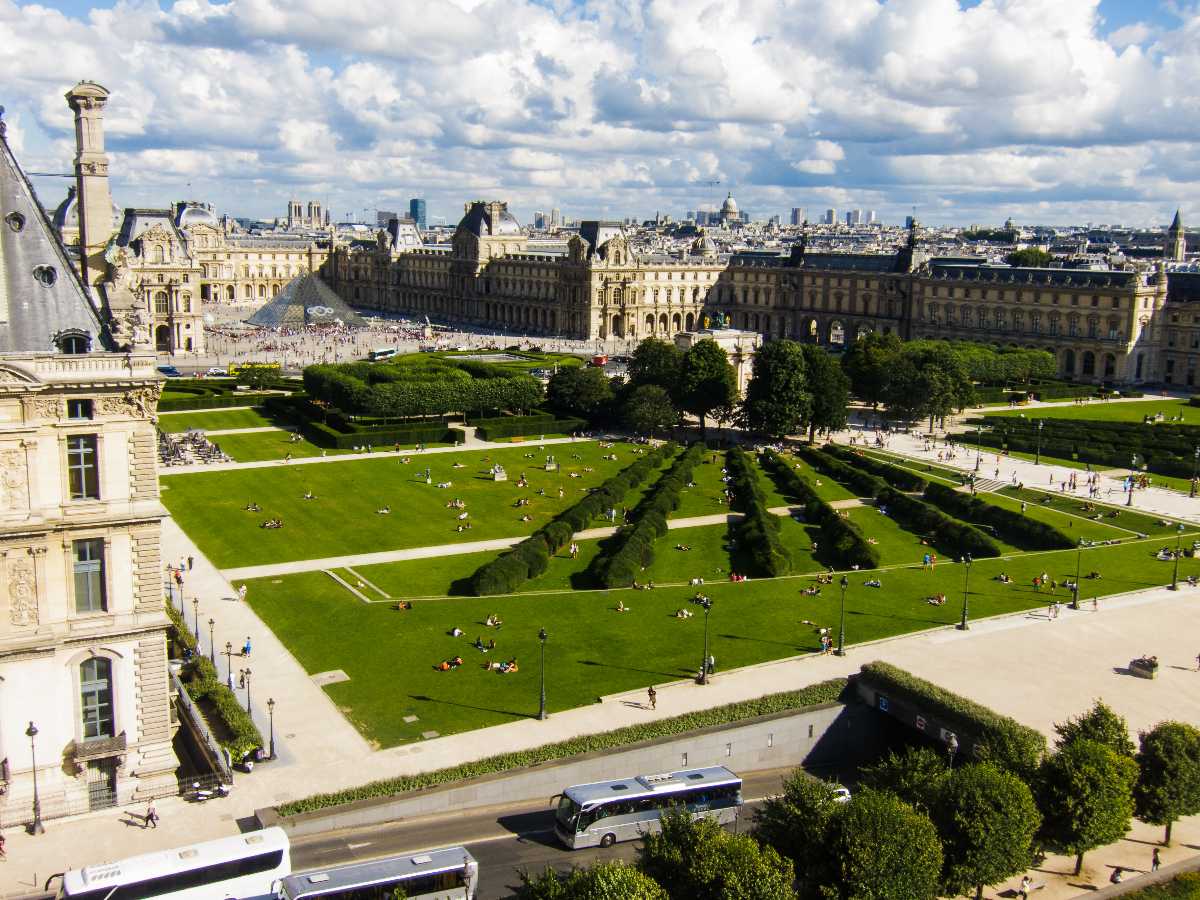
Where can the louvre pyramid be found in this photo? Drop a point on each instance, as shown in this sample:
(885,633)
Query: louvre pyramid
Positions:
(306,300)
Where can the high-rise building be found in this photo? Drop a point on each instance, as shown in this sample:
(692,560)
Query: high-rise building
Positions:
(555,218)
(856,217)
(909,221)
(416,211)
(871,218)
(831,217)
(383,216)
(797,215)
(539,219)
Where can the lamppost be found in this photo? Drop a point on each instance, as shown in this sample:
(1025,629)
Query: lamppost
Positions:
(1078,560)
(1195,471)
(841,647)
(229,665)
(1175,573)
(212,648)
(978,446)
(707,604)
(271,712)
(196,616)
(1037,459)
(1132,476)
(542,645)
(244,681)
(962,625)
(36,827)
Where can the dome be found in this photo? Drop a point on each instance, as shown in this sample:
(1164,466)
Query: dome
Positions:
(66,215)
(489,219)
(197,215)
(729,207)
(703,246)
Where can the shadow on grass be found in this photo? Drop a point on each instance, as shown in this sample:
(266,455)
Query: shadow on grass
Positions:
(422,698)
(676,674)
(743,637)
(461,587)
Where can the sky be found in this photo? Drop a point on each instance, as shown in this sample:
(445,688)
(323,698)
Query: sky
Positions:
(966,111)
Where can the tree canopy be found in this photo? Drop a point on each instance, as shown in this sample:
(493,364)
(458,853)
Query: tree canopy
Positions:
(1168,784)
(600,881)
(829,389)
(796,823)
(575,391)
(656,362)
(647,409)
(778,400)
(915,775)
(1029,257)
(707,382)
(1100,724)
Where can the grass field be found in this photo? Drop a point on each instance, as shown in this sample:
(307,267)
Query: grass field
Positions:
(215,420)
(343,518)
(1100,411)
(1183,887)
(267,445)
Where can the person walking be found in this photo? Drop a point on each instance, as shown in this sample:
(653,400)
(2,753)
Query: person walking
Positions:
(1155,861)
(1023,890)
(652,695)
(246,647)
(190,562)
(151,816)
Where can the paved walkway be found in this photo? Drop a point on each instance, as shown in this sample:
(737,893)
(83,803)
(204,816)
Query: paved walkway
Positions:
(259,430)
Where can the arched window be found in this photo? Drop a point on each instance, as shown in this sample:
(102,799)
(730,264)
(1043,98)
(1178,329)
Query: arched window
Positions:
(157,254)
(96,698)
(1089,363)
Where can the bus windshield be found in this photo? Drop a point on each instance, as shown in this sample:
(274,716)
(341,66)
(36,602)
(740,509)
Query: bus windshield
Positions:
(568,813)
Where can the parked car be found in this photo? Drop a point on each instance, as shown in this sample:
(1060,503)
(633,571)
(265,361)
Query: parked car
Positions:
(170,371)
(217,372)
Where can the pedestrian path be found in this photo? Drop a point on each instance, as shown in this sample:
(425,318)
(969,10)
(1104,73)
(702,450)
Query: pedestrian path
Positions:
(259,430)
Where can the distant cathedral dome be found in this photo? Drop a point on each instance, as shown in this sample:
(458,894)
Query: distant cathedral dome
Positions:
(729,208)
(703,246)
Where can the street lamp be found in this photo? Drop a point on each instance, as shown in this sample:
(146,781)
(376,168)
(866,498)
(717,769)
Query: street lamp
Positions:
(1175,573)
(1037,460)
(36,827)
(962,625)
(542,645)
(229,665)
(196,616)
(244,681)
(707,604)
(1078,560)
(1195,471)
(1132,475)
(212,648)
(978,446)
(841,647)
(271,711)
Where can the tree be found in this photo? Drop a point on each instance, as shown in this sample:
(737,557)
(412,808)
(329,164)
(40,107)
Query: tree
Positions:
(868,363)
(696,859)
(256,377)
(795,823)
(1030,257)
(986,819)
(656,362)
(1168,784)
(600,881)
(647,409)
(1099,724)
(829,388)
(915,776)
(579,391)
(706,380)
(1085,792)
(778,400)
(880,848)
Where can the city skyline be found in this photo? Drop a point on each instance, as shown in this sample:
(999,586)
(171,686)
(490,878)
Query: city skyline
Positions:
(608,111)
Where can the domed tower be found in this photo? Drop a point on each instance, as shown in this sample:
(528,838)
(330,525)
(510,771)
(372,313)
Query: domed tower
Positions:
(730,214)
(1175,246)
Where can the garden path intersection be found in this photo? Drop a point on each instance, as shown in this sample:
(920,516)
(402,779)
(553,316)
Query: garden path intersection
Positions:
(1022,664)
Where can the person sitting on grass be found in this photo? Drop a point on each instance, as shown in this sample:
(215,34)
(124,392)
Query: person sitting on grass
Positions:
(872,582)
(456,632)
(456,662)
(1003,578)
(309,495)
(443,666)
(383,511)
(493,621)
(682,613)
(812,591)
(683,547)
(402,605)
(621,607)
(479,644)
(509,668)
(936,600)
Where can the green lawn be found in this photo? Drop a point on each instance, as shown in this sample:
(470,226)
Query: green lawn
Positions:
(593,650)
(343,518)
(1183,887)
(1126,519)
(707,497)
(216,420)
(824,487)
(1101,411)
(267,445)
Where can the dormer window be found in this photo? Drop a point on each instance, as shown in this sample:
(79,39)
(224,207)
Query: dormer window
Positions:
(74,344)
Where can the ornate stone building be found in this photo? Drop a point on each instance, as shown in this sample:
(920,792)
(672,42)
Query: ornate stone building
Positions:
(83,657)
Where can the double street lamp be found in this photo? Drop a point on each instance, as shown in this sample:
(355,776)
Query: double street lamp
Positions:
(212,648)
(962,625)
(1195,471)
(271,712)
(1175,573)
(35,827)
(244,681)
(1078,561)
(1132,478)
(542,714)
(707,604)
(841,647)
(1037,459)
(229,664)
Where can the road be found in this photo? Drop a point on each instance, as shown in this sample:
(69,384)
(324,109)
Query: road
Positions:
(503,839)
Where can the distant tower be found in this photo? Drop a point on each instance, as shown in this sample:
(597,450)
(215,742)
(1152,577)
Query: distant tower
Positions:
(295,213)
(94,201)
(1175,246)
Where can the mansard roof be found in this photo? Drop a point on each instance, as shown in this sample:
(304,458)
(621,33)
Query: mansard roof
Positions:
(1094,278)
(41,295)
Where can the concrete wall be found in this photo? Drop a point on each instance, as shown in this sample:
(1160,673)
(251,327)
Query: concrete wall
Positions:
(834,734)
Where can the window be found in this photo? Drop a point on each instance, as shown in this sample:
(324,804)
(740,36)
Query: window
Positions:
(79,409)
(83,470)
(162,305)
(89,575)
(73,344)
(45,275)
(95,698)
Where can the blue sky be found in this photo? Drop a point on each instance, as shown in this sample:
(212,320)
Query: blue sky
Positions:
(1050,111)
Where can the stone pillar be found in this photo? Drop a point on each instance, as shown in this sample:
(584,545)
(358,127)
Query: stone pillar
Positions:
(94,202)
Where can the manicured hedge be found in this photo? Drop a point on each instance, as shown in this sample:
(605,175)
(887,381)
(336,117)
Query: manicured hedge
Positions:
(897,477)
(1011,527)
(1063,391)
(945,533)
(324,436)
(995,738)
(211,401)
(757,532)
(842,542)
(788,701)
(529,558)
(858,480)
(632,548)
(514,426)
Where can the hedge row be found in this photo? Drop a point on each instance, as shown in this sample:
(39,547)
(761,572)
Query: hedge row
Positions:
(757,532)
(513,426)
(1012,527)
(632,549)
(1063,391)
(899,478)
(788,701)
(324,436)
(241,736)
(863,483)
(211,401)
(995,738)
(531,557)
(842,542)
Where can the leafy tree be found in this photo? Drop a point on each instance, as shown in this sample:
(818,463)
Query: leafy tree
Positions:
(869,363)
(1085,792)
(986,819)
(915,776)
(656,362)
(1099,724)
(1168,785)
(829,388)
(880,848)
(795,823)
(699,860)
(778,400)
(600,881)
(579,391)
(256,377)
(1030,257)
(707,381)
(648,410)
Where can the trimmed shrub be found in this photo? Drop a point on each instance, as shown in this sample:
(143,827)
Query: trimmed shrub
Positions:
(1011,527)
(947,534)
(861,482)
(899,478)
(757,533)
(521,426)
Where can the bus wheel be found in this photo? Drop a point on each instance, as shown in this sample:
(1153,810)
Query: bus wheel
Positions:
(608,840)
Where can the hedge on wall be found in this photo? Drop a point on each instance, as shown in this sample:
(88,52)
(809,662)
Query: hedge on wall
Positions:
(324,436)
(997,738)
(757,532)
(1011,527)
(514,426)
(529,558)
(210,401)
(632,548)
(789,701)
(842,542)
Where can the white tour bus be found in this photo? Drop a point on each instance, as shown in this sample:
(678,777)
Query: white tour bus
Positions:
(248,867)
(380,353)
(605,812)
(449,874)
